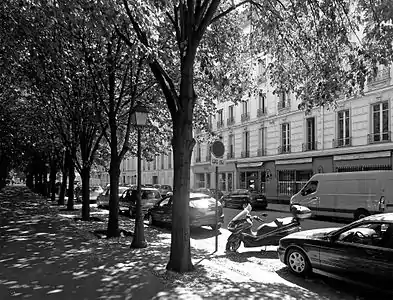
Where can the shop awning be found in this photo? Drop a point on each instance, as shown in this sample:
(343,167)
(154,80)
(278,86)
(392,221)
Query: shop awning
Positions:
(250,165)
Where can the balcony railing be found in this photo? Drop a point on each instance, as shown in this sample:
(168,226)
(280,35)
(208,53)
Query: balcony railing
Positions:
(208,157)
(230,121)
(220,124)
(382,76)
(230,155)
(197,159)
(261,152)
(382,137)
(261,112)
(342,142)
(284,104)
(245,154)
(284,149)
(245,117)
(310,146)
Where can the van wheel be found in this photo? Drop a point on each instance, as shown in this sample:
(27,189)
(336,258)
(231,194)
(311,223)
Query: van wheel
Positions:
(361,213)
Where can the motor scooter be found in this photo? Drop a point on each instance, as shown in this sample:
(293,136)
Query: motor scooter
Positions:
(267,234)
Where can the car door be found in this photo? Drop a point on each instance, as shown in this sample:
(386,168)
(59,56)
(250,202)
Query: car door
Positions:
(311,199)
(352,254)
(163,211)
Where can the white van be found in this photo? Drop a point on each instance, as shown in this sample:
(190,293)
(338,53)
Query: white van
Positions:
(347,195)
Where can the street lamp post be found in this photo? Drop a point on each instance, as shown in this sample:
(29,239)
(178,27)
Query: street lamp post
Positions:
(139,118)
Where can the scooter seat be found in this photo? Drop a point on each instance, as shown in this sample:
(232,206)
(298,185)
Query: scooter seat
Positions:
(266,228)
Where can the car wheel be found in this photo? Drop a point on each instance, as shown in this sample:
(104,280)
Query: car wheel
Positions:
(361,213)
(232,245)
(298,262)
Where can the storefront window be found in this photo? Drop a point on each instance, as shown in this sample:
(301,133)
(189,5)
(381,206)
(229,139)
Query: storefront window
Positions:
(230,181)
(222,182)
(249,180)
(199,180)
(291,181)
(207,180)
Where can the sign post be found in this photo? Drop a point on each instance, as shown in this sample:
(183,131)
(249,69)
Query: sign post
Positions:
(217,159)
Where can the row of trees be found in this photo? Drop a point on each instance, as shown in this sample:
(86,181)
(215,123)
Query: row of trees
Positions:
(82,66)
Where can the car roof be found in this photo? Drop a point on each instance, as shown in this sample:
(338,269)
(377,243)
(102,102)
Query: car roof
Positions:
(199,195)
(380,217)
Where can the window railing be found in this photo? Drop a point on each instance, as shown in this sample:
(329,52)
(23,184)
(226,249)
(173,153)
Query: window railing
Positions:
(284,149)
(261,152)
(284,104)
(310,146)
(382,137)
(261,112)
(245,117)
(220,124)
(342,142)
(230,155)
(230,121)
(245,154)
(381,76)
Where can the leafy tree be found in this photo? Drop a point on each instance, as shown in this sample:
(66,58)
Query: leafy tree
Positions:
(313,46)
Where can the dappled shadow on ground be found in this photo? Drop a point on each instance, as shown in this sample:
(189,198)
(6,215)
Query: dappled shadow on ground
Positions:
(44,256)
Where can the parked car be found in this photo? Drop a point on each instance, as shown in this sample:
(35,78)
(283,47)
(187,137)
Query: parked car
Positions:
(103,199)
(94,192)
(238,197)
(202,211)
(150,196)
(164,189)
(210,192)
(361,251)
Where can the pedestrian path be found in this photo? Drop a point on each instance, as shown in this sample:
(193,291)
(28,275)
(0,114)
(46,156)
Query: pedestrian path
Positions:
(45,255)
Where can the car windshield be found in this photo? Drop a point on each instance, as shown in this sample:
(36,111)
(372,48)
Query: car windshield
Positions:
(149,195)
(240,192)
(199,197)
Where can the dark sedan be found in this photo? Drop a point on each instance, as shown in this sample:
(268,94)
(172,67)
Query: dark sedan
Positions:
(361,252)
(238,197)
(202,211)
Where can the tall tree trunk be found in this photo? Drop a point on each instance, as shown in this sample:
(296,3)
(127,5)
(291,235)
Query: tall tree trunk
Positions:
(113,222)
(63,186)
(71,170)
(85,174)
(52,178)
(183,144)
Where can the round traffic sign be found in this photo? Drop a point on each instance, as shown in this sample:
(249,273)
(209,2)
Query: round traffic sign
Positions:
(218,149)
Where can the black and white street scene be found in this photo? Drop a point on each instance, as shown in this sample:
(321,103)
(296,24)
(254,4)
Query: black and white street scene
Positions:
(199,149)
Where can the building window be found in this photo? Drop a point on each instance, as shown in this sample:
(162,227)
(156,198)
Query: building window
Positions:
(245,115)
(170,160)
(198,153)
(222,182)
(162,161)
(261,104)
(380,123)
(209,123)
(310,135)
(262,141)
(231,115)
(343,126)
(144,165)
(230,182)
(285,139)
(231,146)
(291,181)
(208,152)
(200,180)
(246,144)
(207,183)
(220,118)
(283,100)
